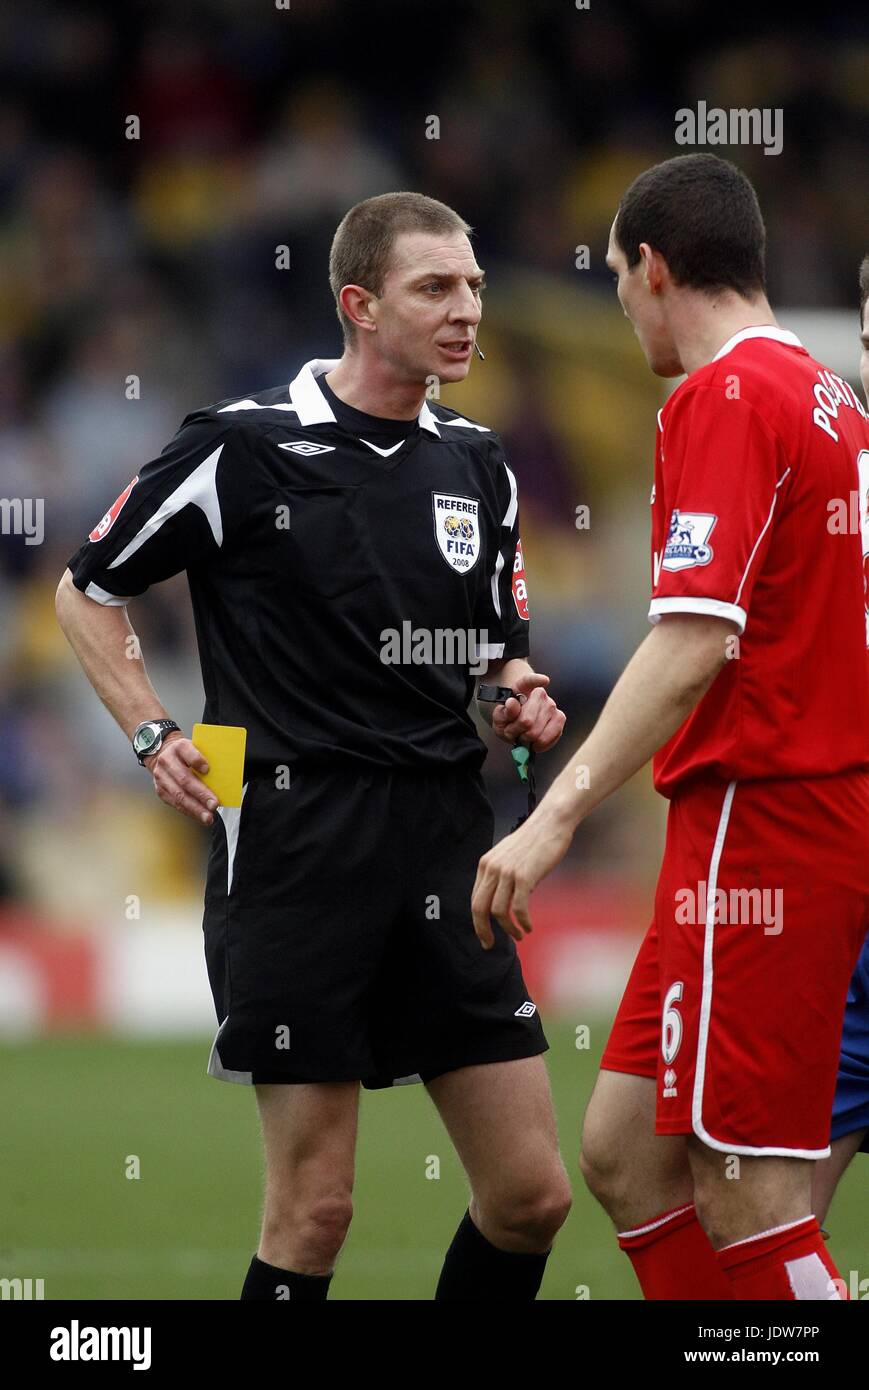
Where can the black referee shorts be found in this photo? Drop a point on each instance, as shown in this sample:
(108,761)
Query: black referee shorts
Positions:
(338,932)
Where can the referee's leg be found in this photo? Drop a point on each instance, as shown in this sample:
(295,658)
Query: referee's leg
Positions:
(309,1138)
(502,1123)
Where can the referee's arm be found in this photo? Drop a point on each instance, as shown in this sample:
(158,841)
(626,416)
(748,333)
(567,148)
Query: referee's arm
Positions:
(535,719)
(100,635)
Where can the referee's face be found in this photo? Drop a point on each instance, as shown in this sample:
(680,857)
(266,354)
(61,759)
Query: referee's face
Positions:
(428,312)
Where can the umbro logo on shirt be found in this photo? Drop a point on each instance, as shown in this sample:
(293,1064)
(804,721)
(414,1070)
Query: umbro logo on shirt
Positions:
(308,447)
(526,1010)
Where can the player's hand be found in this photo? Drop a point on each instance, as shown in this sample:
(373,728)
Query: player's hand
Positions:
(536,719)
(175,784)
(511,870)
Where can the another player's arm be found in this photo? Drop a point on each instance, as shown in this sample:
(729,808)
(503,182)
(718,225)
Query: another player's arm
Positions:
(665,678)
(537,720)
(100,637)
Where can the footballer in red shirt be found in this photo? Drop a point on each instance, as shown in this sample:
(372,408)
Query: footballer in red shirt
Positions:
(849,1133)
(752,693)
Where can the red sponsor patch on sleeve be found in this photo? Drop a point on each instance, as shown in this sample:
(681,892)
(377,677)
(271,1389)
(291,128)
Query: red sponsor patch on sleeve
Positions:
(520,588)
(102,528)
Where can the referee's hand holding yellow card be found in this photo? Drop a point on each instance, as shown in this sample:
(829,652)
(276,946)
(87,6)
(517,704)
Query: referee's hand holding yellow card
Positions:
(223,747)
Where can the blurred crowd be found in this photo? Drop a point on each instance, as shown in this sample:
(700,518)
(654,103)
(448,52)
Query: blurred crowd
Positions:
(152,158)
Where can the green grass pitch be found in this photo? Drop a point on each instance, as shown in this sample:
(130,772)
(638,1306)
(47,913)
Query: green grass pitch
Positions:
(75,1109)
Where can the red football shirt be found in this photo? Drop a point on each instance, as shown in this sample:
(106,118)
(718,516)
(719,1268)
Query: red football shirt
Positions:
(760,514)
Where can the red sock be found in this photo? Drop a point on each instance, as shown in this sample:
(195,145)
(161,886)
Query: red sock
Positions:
(672,1258)
(789,1262)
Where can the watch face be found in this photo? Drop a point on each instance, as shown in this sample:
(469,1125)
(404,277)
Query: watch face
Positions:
(145,739)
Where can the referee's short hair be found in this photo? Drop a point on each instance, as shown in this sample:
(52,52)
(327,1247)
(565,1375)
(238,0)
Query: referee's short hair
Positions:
(701,213)
(363,243)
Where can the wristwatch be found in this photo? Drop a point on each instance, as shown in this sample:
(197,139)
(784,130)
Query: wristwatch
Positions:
(148,737)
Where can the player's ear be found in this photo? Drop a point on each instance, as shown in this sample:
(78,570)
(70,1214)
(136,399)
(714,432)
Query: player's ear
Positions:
(357,305)
(654,268)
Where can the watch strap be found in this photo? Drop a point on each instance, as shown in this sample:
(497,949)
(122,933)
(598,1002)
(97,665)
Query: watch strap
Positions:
(164,726)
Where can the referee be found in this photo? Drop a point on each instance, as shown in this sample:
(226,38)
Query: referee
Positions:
(354,560)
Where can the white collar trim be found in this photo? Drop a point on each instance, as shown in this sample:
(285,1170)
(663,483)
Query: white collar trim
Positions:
(428,421)
(765,330)
(312,407)
(310,403)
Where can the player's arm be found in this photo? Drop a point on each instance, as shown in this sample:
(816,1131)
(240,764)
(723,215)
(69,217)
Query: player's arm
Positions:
(697,607)
(535,719)
(666,677)
(100,637)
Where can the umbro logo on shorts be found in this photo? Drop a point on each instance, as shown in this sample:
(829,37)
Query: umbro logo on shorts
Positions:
(308,447)
(525,1010)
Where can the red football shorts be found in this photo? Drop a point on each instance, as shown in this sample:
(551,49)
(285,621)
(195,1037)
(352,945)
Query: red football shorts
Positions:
(736,999)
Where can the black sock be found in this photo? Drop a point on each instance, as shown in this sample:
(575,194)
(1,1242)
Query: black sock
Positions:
(475,1271)
(267,1283)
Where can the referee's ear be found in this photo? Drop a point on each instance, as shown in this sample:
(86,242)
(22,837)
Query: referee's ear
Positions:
(357,304)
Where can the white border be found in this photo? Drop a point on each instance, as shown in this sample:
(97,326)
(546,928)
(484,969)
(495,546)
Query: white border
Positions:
(231,817)
(764,330)
(761,536)
(313,409)
(715,607)
(216,1068)
(706,1013)
(654,1225)
(104,597)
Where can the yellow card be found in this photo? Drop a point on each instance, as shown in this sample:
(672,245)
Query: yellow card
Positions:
(222,745)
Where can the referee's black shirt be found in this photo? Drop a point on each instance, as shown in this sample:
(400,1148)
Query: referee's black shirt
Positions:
(325,551)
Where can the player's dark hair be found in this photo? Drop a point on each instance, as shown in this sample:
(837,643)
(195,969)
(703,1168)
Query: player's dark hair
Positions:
(701,213)
(363,243)
(864,286)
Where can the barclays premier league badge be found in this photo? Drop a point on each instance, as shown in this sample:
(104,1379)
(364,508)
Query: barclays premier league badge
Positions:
(687,541)
(457,530)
